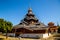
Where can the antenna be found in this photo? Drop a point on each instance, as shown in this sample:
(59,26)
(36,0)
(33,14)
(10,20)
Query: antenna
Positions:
(29,4)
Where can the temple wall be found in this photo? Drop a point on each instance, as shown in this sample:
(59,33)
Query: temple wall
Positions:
(35,35)
(32,35)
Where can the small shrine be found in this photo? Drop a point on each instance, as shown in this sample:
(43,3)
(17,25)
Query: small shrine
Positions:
(52,27)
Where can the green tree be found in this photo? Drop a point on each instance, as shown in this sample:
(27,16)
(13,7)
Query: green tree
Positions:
(5,26)
(59,30)
(58,24)
(58,27)
(1,25)
(8,26)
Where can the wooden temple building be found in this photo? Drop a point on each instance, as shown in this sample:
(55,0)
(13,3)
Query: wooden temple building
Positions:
(31,25)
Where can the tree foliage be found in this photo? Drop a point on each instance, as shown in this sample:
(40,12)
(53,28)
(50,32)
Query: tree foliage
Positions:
(59,30)
(5,26)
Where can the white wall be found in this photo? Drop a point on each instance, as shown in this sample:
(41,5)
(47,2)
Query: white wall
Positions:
(36,35)
(32,35)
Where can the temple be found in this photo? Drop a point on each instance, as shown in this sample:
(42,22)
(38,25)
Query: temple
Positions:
(30,25)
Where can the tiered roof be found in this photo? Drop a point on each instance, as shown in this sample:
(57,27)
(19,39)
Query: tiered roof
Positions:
(30,22)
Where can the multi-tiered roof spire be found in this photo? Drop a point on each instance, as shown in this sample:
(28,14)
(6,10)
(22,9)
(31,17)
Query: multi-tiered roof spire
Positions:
(30,19)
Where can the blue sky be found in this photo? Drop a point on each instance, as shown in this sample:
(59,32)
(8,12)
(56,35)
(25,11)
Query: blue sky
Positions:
(45,10)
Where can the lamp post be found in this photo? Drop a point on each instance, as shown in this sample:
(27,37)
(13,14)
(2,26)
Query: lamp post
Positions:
(15,32)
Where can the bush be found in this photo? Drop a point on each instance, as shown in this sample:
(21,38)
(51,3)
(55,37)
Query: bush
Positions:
(59,30)
(1,38)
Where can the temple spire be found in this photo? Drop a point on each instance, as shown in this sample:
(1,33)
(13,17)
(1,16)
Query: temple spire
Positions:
(30,11)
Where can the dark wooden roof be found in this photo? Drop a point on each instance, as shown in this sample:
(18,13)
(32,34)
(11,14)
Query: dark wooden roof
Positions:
(26,23)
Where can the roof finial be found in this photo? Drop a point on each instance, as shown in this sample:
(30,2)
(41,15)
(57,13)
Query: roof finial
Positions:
(30,6)
(30,9)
